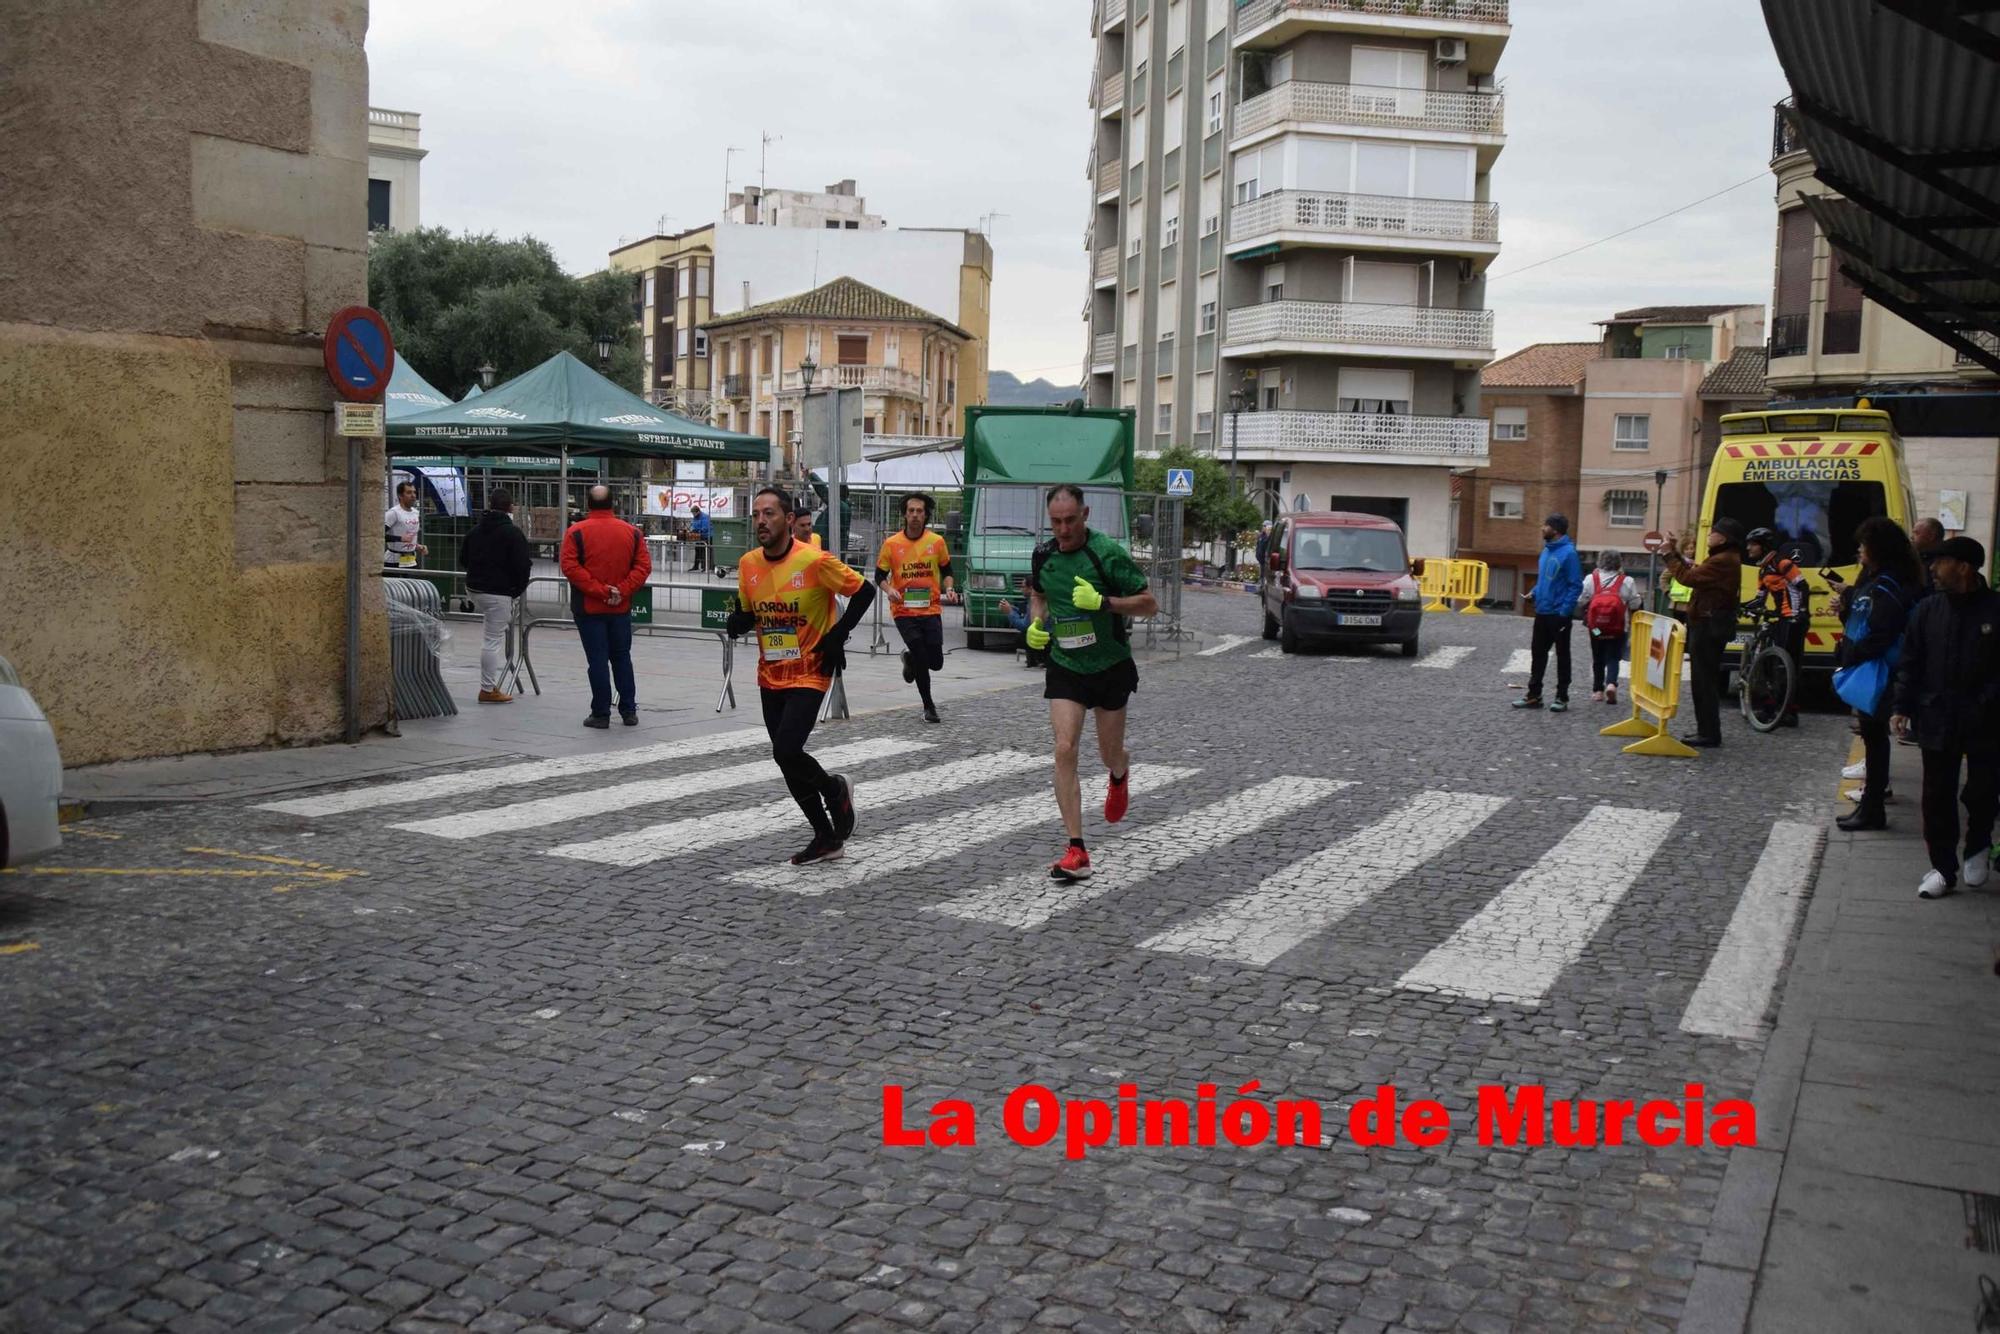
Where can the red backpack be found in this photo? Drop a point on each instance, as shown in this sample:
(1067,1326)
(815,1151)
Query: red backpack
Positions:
(1604,614)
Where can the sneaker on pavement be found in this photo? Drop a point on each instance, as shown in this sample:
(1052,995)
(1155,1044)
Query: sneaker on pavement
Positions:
(495,697)
(1561,705)
(1073,865)
(841,804)
(1854,794)
(1611,694)
(1531,702)
(1933,886)
(1858,769)
(1117,797)
(931,714)
(819,850)
(630,718)
(909,668)
(1975,870)
(598,720)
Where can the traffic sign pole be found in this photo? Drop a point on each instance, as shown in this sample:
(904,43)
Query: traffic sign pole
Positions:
(359,354)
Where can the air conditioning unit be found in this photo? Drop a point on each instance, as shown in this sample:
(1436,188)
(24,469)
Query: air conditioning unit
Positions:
(1451,51)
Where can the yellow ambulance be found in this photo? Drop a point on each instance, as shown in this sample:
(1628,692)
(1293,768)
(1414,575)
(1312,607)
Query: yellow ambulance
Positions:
(1811,475)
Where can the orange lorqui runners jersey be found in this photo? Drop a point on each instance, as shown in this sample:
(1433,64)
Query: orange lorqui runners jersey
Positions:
(916,570)
(793,599)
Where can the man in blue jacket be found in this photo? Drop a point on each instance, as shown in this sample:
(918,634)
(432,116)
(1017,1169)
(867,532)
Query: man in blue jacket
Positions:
(1558,584)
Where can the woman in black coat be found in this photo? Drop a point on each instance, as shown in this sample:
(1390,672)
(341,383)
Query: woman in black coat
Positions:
(1891,581)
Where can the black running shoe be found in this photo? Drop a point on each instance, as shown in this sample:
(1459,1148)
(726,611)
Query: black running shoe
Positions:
(931,714)
(819,850)
(909,668)
(841,803)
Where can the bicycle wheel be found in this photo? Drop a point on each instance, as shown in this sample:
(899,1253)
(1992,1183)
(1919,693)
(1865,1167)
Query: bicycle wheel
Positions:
(1767,687)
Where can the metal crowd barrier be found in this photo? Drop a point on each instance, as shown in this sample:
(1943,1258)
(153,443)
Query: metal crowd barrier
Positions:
(416,616)
(707,603)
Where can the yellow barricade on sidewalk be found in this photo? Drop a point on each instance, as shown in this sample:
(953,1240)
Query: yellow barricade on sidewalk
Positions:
(1468,580)
(1658,652)
(1433,581)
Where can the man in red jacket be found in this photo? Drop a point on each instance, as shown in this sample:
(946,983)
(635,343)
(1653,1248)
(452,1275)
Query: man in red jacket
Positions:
(606,561)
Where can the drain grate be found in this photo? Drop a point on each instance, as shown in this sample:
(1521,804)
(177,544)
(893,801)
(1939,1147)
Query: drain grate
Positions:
(1982,1222)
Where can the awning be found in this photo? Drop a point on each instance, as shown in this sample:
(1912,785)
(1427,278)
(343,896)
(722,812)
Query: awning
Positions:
(1898,102)
(564,406)
(1639,496)
(410,393)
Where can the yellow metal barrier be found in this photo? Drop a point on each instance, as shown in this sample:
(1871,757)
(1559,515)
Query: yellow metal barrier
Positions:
(1433,581)
(1658,652)
(1468,580)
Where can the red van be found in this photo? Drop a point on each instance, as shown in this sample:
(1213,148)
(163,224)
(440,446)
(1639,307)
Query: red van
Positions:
(1339,576)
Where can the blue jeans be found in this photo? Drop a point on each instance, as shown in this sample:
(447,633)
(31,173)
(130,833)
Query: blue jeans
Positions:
(607,646)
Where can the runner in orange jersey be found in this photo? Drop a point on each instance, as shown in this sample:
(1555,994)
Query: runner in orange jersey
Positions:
(916,566)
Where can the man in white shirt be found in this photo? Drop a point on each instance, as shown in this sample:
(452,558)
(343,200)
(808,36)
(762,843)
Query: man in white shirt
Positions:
(400,525)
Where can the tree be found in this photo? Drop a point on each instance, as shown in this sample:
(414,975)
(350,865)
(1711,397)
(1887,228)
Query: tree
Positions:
(454,302)
(1212,512)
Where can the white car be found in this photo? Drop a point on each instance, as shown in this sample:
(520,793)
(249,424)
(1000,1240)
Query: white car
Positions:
(31,775)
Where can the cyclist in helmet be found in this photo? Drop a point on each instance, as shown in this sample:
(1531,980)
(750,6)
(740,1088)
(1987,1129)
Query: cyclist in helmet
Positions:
(1782,584)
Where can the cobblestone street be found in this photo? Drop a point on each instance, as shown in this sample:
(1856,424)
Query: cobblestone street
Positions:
(550,1044)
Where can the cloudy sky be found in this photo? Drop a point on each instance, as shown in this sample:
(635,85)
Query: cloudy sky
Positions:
(584,124)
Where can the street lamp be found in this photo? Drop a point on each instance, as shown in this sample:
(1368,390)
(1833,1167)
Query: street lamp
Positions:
(1659,520)
(487,374)
(604,341)
(808,371)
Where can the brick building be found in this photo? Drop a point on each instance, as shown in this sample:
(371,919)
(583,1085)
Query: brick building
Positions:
(1534,401)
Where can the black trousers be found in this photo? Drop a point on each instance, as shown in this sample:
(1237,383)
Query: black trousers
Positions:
(1607,652)
(1708,641)
(924,636)
(1550,632)
(789,716)
(1875,760)
(1942,795)
(1791,637)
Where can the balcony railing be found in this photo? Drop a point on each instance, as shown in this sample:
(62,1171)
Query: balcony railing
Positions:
(1335,323)
(1111,90)
(1364,104)
(1980,338)
(1789,334)
(1257,13)
(1108,176)
(1402,439)
(882,379)
(1110,14)
(1384,215)
(1104,352)
(1106,270)
(735,386)
(1784,137)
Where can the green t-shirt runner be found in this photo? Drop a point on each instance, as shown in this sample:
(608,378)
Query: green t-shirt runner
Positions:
(1086,642)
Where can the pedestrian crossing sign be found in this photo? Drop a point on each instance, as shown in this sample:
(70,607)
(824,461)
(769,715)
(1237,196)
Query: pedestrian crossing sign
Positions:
(1180,481)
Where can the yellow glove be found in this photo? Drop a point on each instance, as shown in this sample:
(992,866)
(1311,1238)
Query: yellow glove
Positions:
(1084,596)
(1038,638)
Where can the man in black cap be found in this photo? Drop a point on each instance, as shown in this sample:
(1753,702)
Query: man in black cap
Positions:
(1716,590)
(1948,684)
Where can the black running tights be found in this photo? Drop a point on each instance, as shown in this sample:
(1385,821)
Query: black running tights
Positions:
(789,716)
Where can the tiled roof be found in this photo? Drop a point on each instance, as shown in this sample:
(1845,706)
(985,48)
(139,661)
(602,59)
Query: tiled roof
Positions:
(1540,366)
(841,299)
(1674,314)
(1742,376)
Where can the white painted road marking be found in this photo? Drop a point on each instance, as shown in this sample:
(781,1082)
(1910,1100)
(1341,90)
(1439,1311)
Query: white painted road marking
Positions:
(1445,658)
(1314,893)
(640,846)
(1516,947)
(917,845)
(404,791)
(1269,653)
(1520,662)
(596,801)
(1736,990)
(1223,645)
(1030,899)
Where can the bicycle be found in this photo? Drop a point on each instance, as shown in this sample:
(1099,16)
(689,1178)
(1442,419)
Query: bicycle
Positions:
(1768,677)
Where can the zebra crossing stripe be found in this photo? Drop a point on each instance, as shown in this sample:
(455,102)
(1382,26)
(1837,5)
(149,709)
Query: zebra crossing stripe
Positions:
(1223,645)
(654,842)
(1516,947)
(1030,899)
(407,790)
(913,846)
(1519,663)
(1445,658)
(1316,892)
(594,802)
(1734,993)
(1268,653)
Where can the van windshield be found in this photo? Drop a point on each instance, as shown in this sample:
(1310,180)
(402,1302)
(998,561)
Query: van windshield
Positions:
(1024,510)
(1347,549)
(1815,521)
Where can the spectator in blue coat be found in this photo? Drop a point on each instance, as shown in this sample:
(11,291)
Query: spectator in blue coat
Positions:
(1558,585)
(703,531)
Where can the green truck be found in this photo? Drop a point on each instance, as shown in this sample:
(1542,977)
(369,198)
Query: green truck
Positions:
(1012,457)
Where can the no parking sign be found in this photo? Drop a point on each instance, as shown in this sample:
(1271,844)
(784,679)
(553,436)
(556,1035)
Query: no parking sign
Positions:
(359,354)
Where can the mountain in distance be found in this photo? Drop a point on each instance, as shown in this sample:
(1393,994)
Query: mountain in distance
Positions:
(1006,390)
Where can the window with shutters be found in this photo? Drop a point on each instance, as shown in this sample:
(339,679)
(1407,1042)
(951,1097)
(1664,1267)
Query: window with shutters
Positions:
(1506,502)
(1373,391)
(1627,511)
(853,349)
(1510,423)
(1791,319)
(1840,322)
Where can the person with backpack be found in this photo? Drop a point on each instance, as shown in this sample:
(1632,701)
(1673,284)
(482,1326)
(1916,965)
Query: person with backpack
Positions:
(1783,584)
(1877,611)
(1607,602)
(606,561)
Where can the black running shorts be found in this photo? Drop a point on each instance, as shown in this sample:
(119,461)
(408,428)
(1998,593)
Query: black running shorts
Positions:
(1109,689)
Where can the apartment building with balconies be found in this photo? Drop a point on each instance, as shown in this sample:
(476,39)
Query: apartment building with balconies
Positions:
(1290,205)
(675,279)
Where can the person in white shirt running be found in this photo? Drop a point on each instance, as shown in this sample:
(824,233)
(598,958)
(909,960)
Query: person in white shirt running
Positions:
(401,524)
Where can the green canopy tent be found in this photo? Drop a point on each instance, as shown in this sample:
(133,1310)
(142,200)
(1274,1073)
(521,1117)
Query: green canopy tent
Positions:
(410,393)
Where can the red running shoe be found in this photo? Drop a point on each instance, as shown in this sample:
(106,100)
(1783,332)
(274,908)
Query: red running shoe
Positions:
(1117,796)
(1073,865)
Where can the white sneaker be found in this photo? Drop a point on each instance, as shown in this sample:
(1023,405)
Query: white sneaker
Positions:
(1974,872)
(1932,886)
(1858,769)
